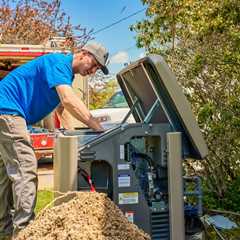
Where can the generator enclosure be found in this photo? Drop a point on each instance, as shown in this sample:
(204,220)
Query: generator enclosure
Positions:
(138,165)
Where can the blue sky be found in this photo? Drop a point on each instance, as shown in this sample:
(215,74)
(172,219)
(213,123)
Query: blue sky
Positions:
(118,39)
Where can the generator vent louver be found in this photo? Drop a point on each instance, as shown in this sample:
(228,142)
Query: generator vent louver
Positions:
(160,225)
(86,156)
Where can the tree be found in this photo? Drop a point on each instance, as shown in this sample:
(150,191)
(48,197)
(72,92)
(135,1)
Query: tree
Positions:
(101,88)
(200,39)
(34,21)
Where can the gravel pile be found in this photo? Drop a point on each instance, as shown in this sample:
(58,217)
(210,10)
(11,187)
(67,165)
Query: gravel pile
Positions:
(88,216)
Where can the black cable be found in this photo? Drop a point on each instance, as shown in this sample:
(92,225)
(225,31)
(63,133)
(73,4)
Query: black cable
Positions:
(120,20)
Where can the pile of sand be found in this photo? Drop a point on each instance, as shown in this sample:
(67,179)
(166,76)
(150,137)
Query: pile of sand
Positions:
(88,216)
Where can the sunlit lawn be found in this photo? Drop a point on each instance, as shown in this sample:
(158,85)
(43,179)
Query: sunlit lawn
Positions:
(43,198)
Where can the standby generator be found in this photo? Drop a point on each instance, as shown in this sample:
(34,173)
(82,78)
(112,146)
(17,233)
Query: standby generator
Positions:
(140,165)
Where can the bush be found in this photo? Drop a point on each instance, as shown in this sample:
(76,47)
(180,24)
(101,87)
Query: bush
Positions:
(230,201)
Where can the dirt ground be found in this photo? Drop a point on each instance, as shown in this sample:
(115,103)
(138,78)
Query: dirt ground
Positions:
(88,216)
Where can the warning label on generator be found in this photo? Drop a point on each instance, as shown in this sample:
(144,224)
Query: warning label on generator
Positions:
(123,166)
(121,151)
(128,198)
(130,216)
(124,180)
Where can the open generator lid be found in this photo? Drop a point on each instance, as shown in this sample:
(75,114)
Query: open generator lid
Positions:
(153,94)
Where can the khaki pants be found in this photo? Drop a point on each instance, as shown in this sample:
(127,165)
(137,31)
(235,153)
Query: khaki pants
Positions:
(18,175)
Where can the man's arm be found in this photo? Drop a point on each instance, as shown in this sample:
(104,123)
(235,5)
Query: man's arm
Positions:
(76,107)
(63,116)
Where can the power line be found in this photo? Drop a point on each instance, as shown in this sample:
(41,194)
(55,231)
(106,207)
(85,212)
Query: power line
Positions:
(117,22)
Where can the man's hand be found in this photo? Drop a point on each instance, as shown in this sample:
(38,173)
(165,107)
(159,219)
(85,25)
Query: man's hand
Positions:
(76,107)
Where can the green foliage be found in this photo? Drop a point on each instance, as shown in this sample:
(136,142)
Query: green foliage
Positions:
(100,94)
(229,201)
(200,39)
(232,196)
(205,112)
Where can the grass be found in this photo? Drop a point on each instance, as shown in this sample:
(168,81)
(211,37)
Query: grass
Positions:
(43,198)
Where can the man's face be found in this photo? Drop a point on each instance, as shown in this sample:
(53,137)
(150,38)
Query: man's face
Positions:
(88,65)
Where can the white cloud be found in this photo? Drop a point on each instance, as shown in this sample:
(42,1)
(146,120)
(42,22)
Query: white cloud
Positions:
(142,55)
(120,57)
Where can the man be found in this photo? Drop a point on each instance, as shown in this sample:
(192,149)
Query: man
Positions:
(28,94)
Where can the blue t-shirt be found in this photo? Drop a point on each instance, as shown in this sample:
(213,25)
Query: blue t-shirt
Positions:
(29,90)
